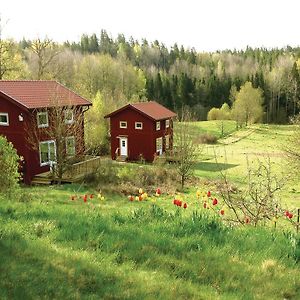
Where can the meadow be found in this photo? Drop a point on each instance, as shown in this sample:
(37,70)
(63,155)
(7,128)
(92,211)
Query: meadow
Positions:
(55,243)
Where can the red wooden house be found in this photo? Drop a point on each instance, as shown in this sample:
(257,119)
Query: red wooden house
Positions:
(141,130)
(27,107)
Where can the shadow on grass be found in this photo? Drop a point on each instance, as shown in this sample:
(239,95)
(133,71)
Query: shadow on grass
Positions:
(213,167)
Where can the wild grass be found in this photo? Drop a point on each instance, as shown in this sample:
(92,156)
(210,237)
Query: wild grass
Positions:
(53,247)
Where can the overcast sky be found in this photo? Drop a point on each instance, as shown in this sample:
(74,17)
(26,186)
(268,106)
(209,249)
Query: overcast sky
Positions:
(206,25)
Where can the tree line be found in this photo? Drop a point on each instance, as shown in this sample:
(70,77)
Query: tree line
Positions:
(118,70)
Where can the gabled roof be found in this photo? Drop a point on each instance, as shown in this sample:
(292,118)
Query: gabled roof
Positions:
(40,94)
(151,109)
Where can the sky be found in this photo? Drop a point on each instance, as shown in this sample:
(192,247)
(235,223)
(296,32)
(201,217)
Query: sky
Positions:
(206,25)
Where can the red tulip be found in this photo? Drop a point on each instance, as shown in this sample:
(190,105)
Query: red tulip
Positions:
(204,204)
(85,198)
(247,220)
(175,201)
(130,198)
(215,202)
(290,215)
(222,212)
(179,203)
(184,205)
(158,191)
(140,198)
(286,213)
(208,194)
(91,196)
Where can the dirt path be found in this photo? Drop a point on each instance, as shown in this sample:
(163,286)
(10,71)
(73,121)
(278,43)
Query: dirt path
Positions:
(237,136)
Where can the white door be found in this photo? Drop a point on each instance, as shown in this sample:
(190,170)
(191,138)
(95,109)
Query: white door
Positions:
(123,146)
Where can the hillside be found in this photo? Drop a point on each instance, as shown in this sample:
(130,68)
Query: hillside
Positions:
(54,245)
(55,248)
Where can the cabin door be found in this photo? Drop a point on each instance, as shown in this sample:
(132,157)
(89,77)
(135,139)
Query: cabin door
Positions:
(123,146)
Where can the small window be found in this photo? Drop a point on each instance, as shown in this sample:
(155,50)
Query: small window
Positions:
(47,152)
(139,125)
(159,146)
(4,121)
(69,116)
(123,124)
(167,123)
(158,125)
(42,119)
(70,146)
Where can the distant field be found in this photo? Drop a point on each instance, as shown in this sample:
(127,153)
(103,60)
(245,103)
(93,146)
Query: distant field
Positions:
(257,142)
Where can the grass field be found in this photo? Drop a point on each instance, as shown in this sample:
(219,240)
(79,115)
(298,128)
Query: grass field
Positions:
(52,247)
(55,248)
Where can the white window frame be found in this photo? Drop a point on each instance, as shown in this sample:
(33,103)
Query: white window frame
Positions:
(139,127)
(158,125)
(7,119)
(121,126)
(69,121)
(167,123)
(39,114)
(159,142)
(50,162)
(74,147)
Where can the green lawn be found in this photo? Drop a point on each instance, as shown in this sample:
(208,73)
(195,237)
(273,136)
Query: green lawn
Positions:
(52,247)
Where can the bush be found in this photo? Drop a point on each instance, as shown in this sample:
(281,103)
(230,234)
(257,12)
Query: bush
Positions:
(129,178)
(9,164)
(207,138)
(213,114)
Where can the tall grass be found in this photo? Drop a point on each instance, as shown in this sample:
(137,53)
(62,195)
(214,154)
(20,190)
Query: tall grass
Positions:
(51,247)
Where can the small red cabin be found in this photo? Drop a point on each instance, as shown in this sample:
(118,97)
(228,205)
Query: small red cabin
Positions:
(26,109)
(141,130)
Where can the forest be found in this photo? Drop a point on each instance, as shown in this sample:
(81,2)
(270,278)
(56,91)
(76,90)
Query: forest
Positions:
(114,71)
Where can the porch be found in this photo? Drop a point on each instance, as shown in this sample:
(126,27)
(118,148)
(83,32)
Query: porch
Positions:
(75,173)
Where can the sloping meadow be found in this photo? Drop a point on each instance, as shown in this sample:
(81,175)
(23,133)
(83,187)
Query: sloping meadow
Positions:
(54,248)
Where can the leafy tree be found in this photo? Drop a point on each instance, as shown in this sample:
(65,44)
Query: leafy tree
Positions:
(12,65)
(96,131)
(213,114)
(9,164)
(247,107)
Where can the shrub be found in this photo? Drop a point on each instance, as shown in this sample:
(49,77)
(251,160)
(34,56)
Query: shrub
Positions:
(213,114)
(207,138)
(129,178)
(9,164)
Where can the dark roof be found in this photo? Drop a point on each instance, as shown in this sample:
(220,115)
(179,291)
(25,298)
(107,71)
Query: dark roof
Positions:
(40,93)
(151,109)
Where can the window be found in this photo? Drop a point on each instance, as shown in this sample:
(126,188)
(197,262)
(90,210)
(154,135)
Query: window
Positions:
(70,146)
(69,116)
(123,124)
(167,123)
(158,125)
(42,119)
(4,121)
(139,125)
(159,146)
(47,152)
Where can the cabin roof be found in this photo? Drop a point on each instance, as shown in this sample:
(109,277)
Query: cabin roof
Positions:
(40,94)
(151,109)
